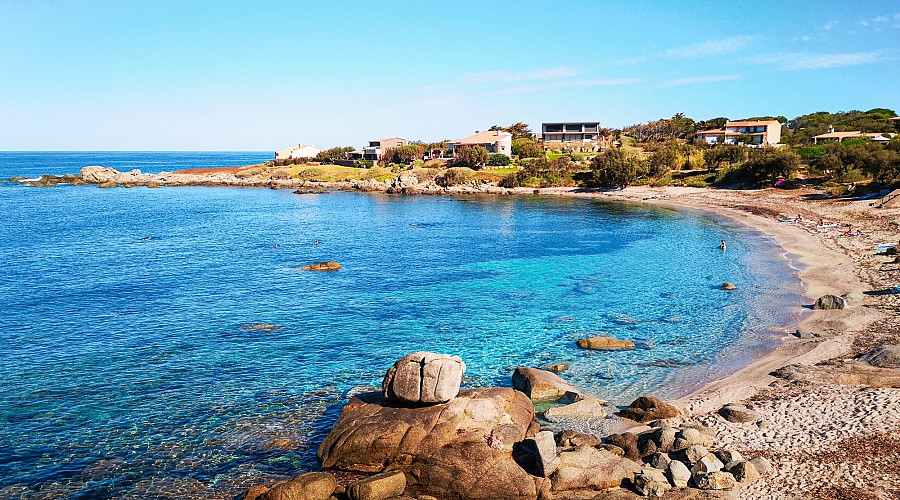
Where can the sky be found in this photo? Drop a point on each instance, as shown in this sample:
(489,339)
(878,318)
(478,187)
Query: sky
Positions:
(259,76)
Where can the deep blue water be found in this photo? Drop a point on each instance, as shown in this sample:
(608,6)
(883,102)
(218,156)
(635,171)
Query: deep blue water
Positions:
(126,370)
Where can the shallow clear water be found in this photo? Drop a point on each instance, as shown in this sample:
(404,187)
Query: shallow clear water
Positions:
(127,371)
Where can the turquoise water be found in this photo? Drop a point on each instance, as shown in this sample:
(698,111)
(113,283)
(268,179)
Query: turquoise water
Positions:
(127,371)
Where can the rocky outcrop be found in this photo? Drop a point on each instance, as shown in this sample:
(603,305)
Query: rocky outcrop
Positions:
(460,449)
(829,302)
(647,408)
(651,482)
(886,356)
(604,344)
(739,414)
(424,377)
(718,480)
(322,266)
(378,487)
(541,385)
(308,486)
(846,373)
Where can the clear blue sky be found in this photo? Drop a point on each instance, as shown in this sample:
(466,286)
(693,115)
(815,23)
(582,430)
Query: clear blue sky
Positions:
(192,75)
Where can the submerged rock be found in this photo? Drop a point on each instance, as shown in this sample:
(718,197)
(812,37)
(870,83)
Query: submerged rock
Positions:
(728,286)
(424,377)
(460,449)
(604,344)
(260,326)
(322,266)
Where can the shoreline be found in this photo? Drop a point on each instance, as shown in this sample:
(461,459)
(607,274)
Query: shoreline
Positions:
(823,271)
(802,420)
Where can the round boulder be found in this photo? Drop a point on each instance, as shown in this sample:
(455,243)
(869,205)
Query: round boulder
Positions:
(424,377)
(739,414)
(886,356)
(648,408)
(541,385)
(728,286)
(829,302)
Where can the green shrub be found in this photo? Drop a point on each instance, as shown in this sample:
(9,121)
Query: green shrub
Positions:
(527,148)
(616,168)
(498,160)
(474,157)
(810,152)
(454,176)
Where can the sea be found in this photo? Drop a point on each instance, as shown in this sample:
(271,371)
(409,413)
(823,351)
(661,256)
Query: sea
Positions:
(132,366)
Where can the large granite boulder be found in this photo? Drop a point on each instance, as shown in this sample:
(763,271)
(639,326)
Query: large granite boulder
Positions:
(424,377)
(461,449)
(604,344)
(647,408)
(829,302)
(308,486)
(587,468)
(541,385)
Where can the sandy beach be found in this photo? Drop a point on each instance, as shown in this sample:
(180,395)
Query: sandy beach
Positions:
(825,441)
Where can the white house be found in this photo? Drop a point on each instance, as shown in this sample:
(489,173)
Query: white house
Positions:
(760,132)
(297,151)
(494,141)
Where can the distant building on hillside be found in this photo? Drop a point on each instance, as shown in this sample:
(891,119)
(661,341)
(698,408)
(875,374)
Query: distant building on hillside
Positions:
(375,150)
(570,131)
(494,141)
(841,136)
(896,122)
(575,136)
(759,132)
(297,151)
(713,136)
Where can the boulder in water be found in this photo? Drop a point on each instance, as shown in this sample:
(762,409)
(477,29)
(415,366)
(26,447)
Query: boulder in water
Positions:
(322,266)
(728,286)
(308,486)
(604,344)
(378,487)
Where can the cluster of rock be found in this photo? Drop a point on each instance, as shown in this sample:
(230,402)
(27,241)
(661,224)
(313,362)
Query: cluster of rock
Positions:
(424,438)
(408,183)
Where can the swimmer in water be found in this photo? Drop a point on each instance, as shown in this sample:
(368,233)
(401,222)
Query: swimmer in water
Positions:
(722,246)
(276,245)
(317,242)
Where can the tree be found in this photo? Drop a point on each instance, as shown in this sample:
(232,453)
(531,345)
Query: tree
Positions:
(403,154)
(474,157)
(330,155)
(526,148)
(770,164)
(616,168)
(664,158)
(725,155)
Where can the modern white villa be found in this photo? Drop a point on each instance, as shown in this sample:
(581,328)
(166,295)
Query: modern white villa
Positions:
(760,132)
(375,150)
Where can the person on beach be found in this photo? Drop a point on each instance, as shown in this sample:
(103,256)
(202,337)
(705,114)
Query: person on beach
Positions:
(722,246)
(820,223)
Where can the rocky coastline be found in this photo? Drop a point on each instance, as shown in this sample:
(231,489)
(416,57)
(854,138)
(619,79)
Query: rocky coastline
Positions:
(820,409)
